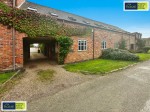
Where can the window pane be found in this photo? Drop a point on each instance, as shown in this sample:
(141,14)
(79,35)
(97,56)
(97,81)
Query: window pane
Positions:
(79,43)
(79,48)
(82,45)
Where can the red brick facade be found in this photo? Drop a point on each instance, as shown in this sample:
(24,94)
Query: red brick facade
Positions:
(6,54)
(19,2)
(100,35)
(111,38)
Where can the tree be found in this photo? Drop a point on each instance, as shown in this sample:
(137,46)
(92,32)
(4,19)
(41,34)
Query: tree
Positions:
(140,44)
(122,44)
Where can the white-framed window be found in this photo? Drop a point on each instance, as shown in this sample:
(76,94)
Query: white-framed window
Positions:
(104,45)
(82,45)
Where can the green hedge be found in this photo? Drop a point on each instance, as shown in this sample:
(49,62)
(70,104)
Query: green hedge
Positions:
(146,49)
(118,54)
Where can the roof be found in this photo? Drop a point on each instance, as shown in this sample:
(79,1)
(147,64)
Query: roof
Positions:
(146,38)
(67,16)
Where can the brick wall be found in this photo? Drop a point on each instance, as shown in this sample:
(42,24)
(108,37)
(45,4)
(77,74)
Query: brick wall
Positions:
(100,35)
(10,2)
(74,55)
(19,2)
(6,56)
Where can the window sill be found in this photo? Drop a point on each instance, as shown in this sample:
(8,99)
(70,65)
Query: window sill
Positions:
(82,50)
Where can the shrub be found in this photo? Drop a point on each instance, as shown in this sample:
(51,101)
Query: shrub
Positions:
(122,44)
(118,54)
(140,44)
(146,49)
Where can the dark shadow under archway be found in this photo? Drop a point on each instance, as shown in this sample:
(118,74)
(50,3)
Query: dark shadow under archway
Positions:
(47,49)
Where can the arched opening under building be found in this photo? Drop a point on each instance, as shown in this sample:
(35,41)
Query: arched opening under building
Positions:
(38,49)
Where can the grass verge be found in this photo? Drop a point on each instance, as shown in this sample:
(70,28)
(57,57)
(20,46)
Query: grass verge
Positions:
(46,75)
(5,76)
(9,85)
(98,66)
(144,56)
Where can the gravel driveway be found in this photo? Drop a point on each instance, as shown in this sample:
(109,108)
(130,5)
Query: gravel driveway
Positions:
(30,88)
(123,91)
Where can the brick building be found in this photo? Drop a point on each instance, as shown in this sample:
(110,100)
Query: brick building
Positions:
(102,36)
(147,42)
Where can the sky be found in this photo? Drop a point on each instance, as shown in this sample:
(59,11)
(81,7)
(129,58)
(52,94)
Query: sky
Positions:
(107,11)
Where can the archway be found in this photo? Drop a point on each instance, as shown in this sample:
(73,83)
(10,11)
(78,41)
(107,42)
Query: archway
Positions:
(45,49)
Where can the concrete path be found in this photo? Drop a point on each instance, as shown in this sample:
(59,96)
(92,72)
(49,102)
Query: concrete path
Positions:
(124,91)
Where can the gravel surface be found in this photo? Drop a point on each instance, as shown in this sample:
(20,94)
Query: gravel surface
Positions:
(123,91)
(30,88)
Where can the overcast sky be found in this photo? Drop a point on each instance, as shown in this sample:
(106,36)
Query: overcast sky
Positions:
(107,11)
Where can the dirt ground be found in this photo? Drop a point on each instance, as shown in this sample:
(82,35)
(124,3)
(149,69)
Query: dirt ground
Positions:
(30,88)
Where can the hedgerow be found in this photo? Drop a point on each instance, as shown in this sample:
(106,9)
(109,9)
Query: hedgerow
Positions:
(118,54)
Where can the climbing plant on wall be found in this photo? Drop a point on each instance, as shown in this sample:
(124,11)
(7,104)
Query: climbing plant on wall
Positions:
(37,25)
(64,47)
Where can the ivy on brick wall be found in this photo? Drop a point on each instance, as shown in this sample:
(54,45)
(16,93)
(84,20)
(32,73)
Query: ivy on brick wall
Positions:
(64,47)
(37,25)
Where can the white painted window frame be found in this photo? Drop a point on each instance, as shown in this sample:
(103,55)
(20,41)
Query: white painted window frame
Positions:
(85,45)
(104,44)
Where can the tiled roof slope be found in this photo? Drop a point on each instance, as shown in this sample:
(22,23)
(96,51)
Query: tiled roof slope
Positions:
(67,16)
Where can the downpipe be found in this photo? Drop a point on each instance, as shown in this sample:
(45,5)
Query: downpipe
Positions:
(93,38)
(14,42)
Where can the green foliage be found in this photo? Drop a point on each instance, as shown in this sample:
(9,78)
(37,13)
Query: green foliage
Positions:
(144,56)
(4,8)
(31,45)
(42,46)
(35,24)
(5,76)
(122,44)
(118,54)
(140,44)
(146,49)
(64,47)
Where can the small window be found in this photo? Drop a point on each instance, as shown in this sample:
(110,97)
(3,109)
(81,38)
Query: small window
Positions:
(82,45)
(104,45)
(72,19)
(86,22)
(53,14)
(99,25)
(132,46)
(32,9)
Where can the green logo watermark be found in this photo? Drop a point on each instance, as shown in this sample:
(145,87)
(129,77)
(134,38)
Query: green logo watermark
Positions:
(13,106)
(136,6)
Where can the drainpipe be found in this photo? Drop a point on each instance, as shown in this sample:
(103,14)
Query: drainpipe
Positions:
(93,42)
(14,42)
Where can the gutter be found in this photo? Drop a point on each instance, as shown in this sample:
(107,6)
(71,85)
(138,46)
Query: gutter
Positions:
(14,42)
